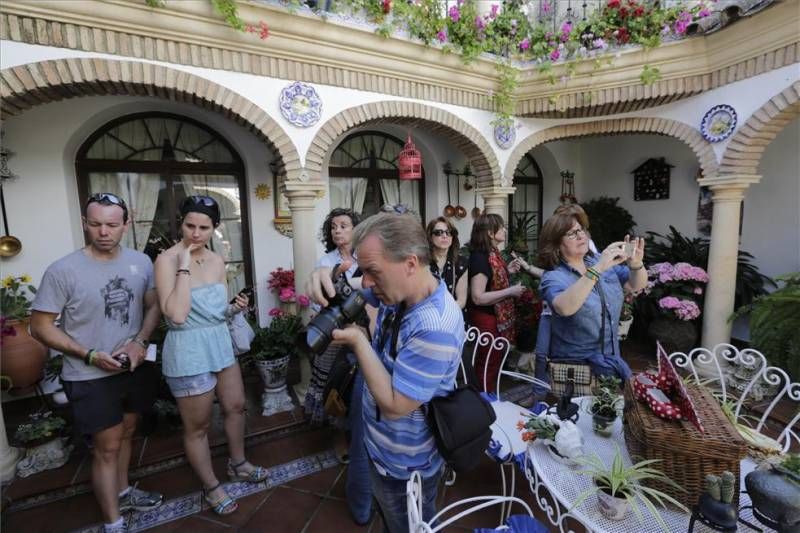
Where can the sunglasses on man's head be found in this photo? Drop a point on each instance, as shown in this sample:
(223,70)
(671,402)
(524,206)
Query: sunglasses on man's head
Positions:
(107,198)
(440,232)
(400,209)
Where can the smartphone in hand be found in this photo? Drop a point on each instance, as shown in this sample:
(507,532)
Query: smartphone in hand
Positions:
(247,291)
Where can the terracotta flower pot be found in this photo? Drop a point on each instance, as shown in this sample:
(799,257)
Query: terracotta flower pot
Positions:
(673,334)
(22,358)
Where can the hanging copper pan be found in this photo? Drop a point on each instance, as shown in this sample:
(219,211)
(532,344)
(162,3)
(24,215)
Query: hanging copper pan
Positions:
(460,211)
(476,211)
(9,245)
(449,210)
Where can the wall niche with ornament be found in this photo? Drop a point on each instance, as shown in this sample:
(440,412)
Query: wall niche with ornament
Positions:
(651,180)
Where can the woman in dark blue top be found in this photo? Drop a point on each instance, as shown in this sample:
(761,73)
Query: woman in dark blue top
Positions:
(585,292)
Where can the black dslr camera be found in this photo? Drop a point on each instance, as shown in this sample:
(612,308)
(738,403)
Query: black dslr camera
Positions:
(346,307)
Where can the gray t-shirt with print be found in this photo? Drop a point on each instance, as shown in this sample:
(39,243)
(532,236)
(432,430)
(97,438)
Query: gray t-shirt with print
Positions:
(101,303)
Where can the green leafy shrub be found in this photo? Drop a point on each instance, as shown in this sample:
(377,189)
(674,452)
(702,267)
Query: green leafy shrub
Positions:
(610,221)
(775,325)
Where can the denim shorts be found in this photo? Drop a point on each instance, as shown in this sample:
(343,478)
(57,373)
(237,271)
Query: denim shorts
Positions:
(184,386)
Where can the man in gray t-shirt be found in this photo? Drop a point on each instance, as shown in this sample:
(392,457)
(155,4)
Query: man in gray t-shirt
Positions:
(105,297)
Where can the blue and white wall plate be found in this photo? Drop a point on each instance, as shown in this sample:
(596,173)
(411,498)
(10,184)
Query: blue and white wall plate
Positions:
(505,135)
(718,123)
(300,104)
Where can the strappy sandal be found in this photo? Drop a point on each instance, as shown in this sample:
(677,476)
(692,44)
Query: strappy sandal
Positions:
(256,475)
(223,506)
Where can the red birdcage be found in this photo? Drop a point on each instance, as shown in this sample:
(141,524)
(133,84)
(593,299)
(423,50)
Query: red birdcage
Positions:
(410,161)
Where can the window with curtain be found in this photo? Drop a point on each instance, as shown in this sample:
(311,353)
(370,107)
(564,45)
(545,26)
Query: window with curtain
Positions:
(364,176)
(526,206)
(154,161)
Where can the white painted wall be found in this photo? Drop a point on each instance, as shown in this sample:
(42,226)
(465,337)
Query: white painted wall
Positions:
(771,229)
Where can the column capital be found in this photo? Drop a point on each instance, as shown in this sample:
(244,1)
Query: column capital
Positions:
(729,186)
(302,194)
(494,192)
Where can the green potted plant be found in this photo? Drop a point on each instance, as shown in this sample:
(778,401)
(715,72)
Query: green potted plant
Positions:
(44,446)
(270,352)
(626,316)
(22,356)
(619,487)
(605,406)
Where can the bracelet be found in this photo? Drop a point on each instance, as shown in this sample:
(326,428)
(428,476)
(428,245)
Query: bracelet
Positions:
(183,271)
(140,342)
(88,359)
(592,274)
(633,268)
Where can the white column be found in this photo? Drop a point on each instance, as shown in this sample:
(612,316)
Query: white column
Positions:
(495,200)
(302,198)
(728,192)
(8,455)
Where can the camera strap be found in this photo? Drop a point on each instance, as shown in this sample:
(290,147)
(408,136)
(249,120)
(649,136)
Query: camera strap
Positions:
(394,325)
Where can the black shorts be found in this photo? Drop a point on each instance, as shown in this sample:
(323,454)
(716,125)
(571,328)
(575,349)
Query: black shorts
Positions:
(99,404)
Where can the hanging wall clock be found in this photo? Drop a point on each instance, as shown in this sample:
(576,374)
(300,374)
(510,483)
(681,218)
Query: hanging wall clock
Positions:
(718,123)
(300,104)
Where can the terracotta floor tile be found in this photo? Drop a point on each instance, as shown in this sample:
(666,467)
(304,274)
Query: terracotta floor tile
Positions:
(320,483)
(333,517)
(172,483)
(192,524)
(57,517)
(248,506)
(285,511)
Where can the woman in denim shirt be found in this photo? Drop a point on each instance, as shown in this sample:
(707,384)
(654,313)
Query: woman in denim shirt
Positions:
(579,285)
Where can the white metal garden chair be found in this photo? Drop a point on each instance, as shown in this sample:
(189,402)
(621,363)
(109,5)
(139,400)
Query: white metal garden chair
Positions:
(505,434)
(414,504)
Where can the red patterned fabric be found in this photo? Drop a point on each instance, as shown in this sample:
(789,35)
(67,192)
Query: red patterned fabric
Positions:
(504,309)
(485,322)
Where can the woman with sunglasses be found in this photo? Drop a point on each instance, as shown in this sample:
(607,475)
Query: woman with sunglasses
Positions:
(445,261)
(198,359)
(491,297)
(585,291)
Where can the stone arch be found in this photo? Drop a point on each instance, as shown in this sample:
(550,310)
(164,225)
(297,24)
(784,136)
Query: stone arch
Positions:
(413,114)
(744,151)
(25,86)
(621,126)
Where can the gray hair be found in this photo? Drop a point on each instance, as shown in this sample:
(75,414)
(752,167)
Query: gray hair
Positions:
(401,235)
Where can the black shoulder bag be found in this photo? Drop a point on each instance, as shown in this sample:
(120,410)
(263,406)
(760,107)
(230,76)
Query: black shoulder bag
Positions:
(459,421)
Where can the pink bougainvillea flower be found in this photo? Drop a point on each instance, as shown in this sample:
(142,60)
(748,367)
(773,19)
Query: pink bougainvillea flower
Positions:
(480,24)
(275,312)
(262,29)
(442,35)
(524,44)
(493,12)
(303,300)
(554,55)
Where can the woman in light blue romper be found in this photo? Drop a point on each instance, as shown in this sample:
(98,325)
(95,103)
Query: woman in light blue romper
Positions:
(198,359)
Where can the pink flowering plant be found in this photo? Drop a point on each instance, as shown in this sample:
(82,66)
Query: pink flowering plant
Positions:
(677,289)
(281,282)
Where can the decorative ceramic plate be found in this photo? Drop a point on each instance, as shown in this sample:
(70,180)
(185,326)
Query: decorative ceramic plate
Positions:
(300,104)
(718,123)
(505,136)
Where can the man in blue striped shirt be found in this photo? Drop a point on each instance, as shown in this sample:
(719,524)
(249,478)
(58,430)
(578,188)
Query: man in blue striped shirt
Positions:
(417,311)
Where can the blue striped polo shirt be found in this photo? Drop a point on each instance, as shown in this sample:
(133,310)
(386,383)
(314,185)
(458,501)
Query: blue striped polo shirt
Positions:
(429,347)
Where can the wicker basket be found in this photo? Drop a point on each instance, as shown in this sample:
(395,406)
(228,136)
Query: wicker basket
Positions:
(686,455)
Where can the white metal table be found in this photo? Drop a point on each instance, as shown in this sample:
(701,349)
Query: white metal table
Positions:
(556,486)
